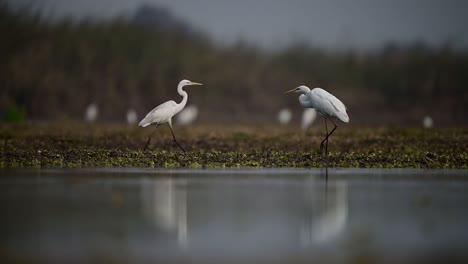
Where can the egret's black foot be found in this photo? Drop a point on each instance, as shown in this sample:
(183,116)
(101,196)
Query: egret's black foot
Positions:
(180,146)
(146,146)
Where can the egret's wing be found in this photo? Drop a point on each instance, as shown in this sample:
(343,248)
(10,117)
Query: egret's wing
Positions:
(328,104)
(159,114)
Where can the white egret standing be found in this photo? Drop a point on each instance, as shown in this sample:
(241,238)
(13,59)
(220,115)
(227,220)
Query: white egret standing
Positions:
(325,103)
(284,116)
(308,117)
(164,112)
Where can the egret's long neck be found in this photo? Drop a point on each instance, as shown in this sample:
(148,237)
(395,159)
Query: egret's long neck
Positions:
(184,95)
(304,98)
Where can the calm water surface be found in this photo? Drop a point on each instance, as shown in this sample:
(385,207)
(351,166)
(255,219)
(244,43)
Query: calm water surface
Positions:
(233,216)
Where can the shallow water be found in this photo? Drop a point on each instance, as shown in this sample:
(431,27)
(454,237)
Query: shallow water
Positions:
(233,216)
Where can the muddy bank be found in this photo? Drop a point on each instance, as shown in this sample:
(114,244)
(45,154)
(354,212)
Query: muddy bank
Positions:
(85,145)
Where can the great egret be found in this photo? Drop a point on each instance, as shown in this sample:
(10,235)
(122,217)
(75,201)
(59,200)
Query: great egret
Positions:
(308,117)
(164,112)
(91,112)
(187,116)
(284,116)
(325,103)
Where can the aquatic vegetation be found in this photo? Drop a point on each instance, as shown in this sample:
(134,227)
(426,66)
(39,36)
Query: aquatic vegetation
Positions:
(87,145)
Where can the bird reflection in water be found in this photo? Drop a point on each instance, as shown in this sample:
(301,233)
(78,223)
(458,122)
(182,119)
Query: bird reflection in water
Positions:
(328,215)
(165,205)
(248,216)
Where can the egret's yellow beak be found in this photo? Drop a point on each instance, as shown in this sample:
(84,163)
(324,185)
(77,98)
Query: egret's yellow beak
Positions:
(291,91)
(195,83)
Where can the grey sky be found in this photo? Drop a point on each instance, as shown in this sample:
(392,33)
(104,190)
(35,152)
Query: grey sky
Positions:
(331,23)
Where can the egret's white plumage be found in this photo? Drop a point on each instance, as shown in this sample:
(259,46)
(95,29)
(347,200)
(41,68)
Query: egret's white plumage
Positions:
(161,114)
(164,112)
(284,116)
(308,117)
(187,116)
(323,102)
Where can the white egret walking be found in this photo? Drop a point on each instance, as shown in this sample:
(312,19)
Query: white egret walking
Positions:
(325,103)
(164,112)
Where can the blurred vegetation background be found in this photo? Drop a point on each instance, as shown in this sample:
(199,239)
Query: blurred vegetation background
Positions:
(51,70)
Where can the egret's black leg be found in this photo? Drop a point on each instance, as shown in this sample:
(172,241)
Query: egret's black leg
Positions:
(325,140)
(333,130)
(326,136)
(175,140)
(149,139)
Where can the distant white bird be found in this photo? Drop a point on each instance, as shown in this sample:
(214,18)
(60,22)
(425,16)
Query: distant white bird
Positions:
(308,117)
(132,116)
(325,103)
(164,112)
(187,116)
(91,113)
(428,122)
(284,116)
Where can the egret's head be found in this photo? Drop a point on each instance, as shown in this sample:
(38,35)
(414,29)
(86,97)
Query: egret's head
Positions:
(187,82)
(300,89)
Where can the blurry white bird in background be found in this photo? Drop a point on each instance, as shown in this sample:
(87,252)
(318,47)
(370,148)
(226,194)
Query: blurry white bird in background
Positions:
(164,112)
(284,116)
(428,122)
(132,116)
(187,116)
(326,104)
(308,117)
(91,113)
